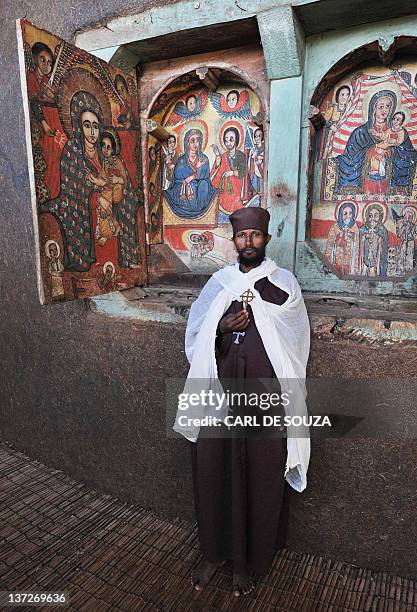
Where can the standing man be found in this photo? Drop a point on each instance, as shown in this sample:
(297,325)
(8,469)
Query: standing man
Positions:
(249,322)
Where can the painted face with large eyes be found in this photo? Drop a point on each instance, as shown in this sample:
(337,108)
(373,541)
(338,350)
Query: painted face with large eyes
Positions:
(344,95)
(122,91)
(90,125)
(373,217)
(231,99)
(383,108)
(195,143)
(347,215)
(106,147)
(44,63)
(191,103)
(230,140)
(258,137)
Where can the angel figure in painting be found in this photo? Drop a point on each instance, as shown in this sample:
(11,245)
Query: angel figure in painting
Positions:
(55,269)
(124,111)
(45,110)
(191,191)
(193,106)
(342,246)
(373,243)
(406,230)
(234,105)
(333,116)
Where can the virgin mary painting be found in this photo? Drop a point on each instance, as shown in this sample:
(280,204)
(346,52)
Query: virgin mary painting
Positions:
(374,161)
(191,191)
(82,179)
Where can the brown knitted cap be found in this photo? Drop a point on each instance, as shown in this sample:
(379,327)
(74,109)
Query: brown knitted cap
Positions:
(250,218)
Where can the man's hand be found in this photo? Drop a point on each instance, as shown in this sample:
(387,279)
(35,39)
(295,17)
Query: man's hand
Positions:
(234,322)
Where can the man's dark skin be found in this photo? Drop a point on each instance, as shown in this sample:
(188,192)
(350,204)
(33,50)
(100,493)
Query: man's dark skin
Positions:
(250,245)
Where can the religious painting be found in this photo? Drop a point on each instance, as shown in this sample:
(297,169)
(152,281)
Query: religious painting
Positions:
(209,161)
(83,140)
(364,212)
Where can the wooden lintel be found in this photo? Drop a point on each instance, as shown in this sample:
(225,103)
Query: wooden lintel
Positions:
(156,130)
(208,77)
(316,117)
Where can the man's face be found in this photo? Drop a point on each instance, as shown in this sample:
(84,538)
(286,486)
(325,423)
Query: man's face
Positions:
(191,104)
(152,154)
(347,215)
(106,148)
(373,217)
(89,122)
(230,140)
(44,62)
(171,143)
(231,99)
(109,272)
(53,251)
(250,245)
(409,215)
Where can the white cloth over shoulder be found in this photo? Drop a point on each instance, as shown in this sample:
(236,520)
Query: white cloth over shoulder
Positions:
(285,333)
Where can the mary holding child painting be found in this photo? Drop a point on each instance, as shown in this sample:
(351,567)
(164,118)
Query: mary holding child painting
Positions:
(379,156)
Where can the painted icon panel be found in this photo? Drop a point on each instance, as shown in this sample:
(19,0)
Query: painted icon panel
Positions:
(364,213)
(84,138)
(209,161)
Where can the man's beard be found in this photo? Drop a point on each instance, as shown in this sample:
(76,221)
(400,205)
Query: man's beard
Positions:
(254,260)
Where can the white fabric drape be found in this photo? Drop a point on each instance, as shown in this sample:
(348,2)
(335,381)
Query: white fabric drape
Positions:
(285,333)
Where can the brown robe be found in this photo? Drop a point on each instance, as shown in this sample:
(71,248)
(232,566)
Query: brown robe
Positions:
(239,481)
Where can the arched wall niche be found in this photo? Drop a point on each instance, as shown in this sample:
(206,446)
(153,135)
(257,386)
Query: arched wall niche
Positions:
(205,155)
(362,193)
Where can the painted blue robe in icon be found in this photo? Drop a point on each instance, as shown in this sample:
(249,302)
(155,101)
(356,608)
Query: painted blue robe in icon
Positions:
(181,203)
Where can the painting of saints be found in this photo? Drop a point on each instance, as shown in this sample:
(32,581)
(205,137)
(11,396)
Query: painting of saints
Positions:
(373,241)
(342,247)
(82,182)
(333,115)
(191,191)
(406,230)
(45,110)
(170,158)
(370,163)
(256,161)
(229,171)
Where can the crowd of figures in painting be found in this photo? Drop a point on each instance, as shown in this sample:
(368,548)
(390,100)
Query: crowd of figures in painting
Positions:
(211,163)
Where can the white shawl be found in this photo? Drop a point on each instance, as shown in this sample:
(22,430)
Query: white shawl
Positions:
(285,333)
